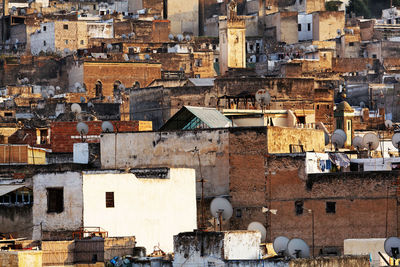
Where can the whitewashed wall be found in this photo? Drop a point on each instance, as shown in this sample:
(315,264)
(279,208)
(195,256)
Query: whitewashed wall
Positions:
(152,210)
(38,38)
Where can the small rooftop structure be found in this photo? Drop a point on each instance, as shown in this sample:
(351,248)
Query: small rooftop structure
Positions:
(189,118)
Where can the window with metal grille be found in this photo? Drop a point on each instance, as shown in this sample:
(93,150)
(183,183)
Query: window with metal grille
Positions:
(109,199)
(55,200)
(330,207)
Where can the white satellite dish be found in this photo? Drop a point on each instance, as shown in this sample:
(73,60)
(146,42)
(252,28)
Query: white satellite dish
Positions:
(171,36)
(221,207)
(180,37)
(396,140)
(126,57)
(263,97)
(357,142)
(338,138)
(392,247)
(280,245)
(107,127)
(257,226)
(90,105)
(388,124)
(188,38)
(370,141)
(82,128)
(76,108)
(297,248)
(51,92)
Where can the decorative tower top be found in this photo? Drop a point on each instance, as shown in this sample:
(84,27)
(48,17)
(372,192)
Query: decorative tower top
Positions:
(232,10)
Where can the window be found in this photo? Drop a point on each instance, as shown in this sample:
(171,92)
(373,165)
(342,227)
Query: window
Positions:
(44,43)
(238,213)
(351,44)
(8,114)
(298,205)
(330,207)
(308,26)
(65,27)
(82,42)
(44,28)
(109,199)
(55,200)
(66,41)
(317,106)
(374,56)
(198,62)
(299,27)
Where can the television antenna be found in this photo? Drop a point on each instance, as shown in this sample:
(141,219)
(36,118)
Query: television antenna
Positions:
(263,98)
(392,247)
(339,138)
(280,245)
(257,226)
(107,127)
(221,209)
(371,142)
(298,248)
(82,129)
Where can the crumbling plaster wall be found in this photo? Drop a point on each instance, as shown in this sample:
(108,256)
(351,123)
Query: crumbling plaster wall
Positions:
(173,149)
(70,218)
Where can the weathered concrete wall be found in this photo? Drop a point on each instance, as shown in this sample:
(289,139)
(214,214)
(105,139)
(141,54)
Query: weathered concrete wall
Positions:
(21,258)
(202,248)
(280,139)
(16,220)
(71,217)
(184,18)
(151,209)
(352,261)
(172,149)
(326,24)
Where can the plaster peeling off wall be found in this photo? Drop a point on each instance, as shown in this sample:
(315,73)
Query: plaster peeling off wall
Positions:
(153,210)
(71,217)
(172,149)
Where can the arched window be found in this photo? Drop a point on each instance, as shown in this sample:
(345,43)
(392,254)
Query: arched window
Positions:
(136,85)
(117,87)
(99,89)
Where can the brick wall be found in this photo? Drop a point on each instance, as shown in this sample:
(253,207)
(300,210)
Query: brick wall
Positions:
(61,133)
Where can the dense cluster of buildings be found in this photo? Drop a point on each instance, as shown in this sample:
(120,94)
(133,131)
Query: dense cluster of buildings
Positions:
(120,122)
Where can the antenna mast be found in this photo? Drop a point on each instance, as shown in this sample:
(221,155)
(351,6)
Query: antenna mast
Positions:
(202,181)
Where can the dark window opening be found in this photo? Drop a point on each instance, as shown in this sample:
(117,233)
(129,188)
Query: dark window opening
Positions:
(251,47)
(301,119)
(330,207)
(299,27)
(351,44)
(8,114)
(317,106)
(298,205)
(99,89)
(55,200)
(109,199)
(44,28)
(238,213)
(43,136)
(309,26)
(65,27)
(374,56)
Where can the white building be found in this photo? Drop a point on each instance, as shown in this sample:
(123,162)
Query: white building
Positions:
(305,23)
(151,204)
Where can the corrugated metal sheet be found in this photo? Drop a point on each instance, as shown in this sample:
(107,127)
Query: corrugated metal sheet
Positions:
(202,81)
(5,189)
(210,116)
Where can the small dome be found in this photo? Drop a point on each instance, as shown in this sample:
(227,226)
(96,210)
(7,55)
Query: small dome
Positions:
(344,106)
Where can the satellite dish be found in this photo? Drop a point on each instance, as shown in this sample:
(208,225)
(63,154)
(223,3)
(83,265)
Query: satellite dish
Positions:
(76,108)
(388,124)
(339,138)
(396,140)
(280,245)
(82,128)
(180,37)
(90,105)
(50,92)
(221,207)
(297,248)
(107,127)
(370,141)
(126,57)
(171,36)
(362,104)
(187,37)
(357,142)
(257,226)
(392,247)
(263,97)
